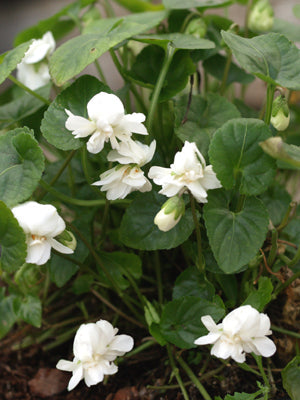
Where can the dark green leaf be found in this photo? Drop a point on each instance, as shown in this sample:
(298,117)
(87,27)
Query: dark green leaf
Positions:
(192,283)
(179,4)
(29,309)
(271,57)
(75,99)
(139,232)
(235,237)
(61,270)
(7,315)
(276,200)
(181,320)
(236,156)
(291,378)
(202,118)
(11,59)
(21,166)
(177,40)
(262,296)
(241,396)
(82,284)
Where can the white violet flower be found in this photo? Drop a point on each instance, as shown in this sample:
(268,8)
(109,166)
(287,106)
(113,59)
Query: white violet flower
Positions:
(95,347)
(41,224)
(242,331)
(33,70)
(170,214)
(188,172)
(107,122)
(124,179)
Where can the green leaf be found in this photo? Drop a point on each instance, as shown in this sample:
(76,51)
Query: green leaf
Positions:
(119,265)
(74,55)
(262,296)
(82,284)
(242,396)
(10,60)
(138,231)
(75,99)
(139,5)
(202,118)
(216,66)
(29,309)
(235,237)
(152,318)
(192,283)
(146,68)
(179,4)
(271,57)
(276,199)
(21,166)
(291,31)
(181,320)
(12,241)
(291,378)
(288,153)
(237,157)
(7,315)
(177,40)
(61,270)
(21,107)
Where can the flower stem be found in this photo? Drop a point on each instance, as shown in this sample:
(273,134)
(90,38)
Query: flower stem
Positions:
(194,379)
(159,83)
(258,360)
(140,348)
(270,95)
(200,264)
(100,72)
(176,373)
(33,93)
(226,72)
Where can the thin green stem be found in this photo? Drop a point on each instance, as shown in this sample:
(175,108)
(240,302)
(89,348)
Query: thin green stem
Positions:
(194,379)
(159,84)
(258,360)
(286,218)
(225,74)
(100,71)
(139,349)
(284,285)
(270,95)
(249,5)
(200,264)
(36,95)
(295,259)
(176,373)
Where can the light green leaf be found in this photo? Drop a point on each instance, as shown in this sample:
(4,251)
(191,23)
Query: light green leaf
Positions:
(7,315)
(119,265)
(10,60)
(216,65)
(74,55)
(21,166)
(242,396)
(291,31)
(138,231)
(181,319)
(12,241)
(271,57)
(291,378)
(202,118)
(235,237)
(75,99)
(262,296)
(236,156)
(179,4)
(288,153)
(192,283)
(177,40)
(29,309)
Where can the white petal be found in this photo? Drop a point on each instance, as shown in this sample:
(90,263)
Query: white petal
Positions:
(96,142)
(105,105)
(86,341)
(133,123)
(66,365)
(80,126)
(209,323)
(108,368)
(265,346)
(208,339)
(210,180)
(93,375)
(222,349)
(60,247)
(38,253)
(32,78)
(121,344)
(76,377)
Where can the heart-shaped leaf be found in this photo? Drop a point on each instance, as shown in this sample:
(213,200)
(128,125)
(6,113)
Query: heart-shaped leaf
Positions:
(10,60)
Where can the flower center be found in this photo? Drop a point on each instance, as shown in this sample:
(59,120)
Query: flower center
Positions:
(36,239)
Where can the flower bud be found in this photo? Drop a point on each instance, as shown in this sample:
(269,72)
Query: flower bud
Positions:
(280,117)
(169,215)
(67,239)
(261,17)
(197,27)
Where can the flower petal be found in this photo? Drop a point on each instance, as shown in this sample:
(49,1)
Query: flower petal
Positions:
(264,346)
(76,377)
(80,126)
(60,247)
(133,123)
(38,253)
(212,337)
(66,365)
(105,105)
(93,375)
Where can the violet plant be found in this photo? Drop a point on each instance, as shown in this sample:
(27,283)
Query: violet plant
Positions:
(194,219)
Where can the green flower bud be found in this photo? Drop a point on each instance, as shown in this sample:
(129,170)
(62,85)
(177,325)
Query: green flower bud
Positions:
(280,117)
(197,27)
(67,239)
(169,215)
(261,17)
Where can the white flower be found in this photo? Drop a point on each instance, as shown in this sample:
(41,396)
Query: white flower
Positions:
(96,346)
(170,214)
(242,331)
(189,171)
(132,152)
(41,224)
(107,122)
(33,70)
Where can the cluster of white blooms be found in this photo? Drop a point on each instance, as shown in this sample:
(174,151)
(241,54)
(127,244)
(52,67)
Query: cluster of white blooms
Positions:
(33,70)
(108,122)
(95,347)
(188,172)
(242,331)
(41,224)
